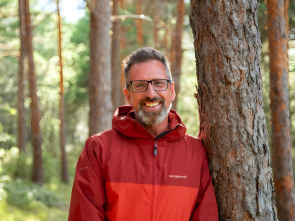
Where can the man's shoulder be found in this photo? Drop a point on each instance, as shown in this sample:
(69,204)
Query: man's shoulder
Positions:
(103,136)
(195,142)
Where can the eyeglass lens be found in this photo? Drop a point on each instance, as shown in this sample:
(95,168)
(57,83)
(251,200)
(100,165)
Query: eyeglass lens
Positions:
(158,85)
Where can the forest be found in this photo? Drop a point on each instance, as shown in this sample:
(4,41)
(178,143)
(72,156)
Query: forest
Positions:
(61,80)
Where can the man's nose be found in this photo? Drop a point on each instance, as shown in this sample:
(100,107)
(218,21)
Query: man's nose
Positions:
(150,91)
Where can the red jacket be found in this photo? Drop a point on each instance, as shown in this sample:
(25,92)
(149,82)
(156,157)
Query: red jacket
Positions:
(125,174)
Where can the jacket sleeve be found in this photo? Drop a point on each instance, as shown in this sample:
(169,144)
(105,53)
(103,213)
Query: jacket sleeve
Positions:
(206,206)
(88,194)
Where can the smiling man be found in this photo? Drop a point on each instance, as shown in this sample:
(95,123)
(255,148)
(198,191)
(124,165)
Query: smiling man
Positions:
(146,167)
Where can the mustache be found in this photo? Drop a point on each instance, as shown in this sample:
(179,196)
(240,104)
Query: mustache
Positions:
(154,99)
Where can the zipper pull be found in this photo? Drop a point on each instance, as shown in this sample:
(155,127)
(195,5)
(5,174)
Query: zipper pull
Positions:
(155,149)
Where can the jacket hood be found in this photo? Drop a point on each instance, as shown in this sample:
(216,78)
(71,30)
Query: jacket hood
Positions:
(124,123)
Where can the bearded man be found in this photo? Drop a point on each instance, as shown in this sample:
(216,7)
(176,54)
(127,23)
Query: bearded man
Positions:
(146,167)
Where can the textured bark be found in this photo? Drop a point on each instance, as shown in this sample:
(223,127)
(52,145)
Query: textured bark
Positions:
(280,113)
(62,135)
(139,29)
(35,112)
(100,98)
(232,121)
(176,48)
(21,135)
(116,65)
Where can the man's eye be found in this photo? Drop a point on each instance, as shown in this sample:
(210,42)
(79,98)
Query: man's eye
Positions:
(140,85)
(158,83)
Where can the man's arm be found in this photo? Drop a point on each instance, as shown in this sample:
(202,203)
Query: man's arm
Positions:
(88,194)
(206,207)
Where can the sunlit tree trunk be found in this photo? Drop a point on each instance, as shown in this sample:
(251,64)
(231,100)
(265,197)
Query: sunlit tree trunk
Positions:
(21,135)
(139,28)
(280,113)
(116,64)
(157,8)
(176,48)
(232,121)
(286,15)
(123,44)
(100,98)
(35,112)
(62,136)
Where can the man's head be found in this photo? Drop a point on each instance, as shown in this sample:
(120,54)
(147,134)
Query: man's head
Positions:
(149,86)
(145,54)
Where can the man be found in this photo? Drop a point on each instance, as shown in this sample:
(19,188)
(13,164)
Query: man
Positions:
(146,167)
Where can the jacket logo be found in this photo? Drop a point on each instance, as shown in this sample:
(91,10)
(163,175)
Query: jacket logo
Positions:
(177,176)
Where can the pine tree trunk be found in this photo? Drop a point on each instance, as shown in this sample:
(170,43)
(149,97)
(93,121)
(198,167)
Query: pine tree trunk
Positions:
(139,29)
(62,136)
(177,48)
(232,121)
(100,98)
(116,64)
(21,135)
(280,113)
(35,112)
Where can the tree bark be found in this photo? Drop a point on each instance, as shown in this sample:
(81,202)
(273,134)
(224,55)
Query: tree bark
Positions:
(22,135)
(35,112)
(280,113)
(100,98)
(232,121)
(176,48)
(139,32)
(116,64)
(62,136)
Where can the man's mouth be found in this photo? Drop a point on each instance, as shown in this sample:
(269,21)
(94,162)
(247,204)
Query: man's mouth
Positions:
(152,104)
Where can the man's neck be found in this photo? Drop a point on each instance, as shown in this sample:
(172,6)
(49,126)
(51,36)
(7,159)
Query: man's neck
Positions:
(156,130)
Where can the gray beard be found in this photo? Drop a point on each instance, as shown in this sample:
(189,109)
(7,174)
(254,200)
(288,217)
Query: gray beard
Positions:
(153,118)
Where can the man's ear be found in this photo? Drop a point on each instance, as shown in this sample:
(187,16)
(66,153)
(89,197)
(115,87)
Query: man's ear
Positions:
(127,95)
(172,91)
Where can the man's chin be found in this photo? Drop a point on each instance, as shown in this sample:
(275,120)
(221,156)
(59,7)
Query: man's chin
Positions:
(152,118)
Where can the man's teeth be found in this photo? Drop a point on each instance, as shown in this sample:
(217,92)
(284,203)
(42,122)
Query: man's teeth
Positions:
(151,104)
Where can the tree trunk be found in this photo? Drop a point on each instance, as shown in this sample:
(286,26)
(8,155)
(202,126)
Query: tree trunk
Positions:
(280,113)
(123,44)
(64,167)
(100,98)
(22,135)
(286,16)
(176,48)
(35,112)
(232,121)
(116,64)
(139,32)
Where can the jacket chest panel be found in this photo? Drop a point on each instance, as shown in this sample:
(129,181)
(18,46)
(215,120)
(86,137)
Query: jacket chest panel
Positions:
(133,161)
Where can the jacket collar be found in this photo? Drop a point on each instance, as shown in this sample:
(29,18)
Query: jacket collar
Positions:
(124,123)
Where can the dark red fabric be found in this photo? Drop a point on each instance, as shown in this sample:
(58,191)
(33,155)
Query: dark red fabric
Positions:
(118,177)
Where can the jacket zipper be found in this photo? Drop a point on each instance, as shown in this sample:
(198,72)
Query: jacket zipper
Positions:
(154,180)
(155,148)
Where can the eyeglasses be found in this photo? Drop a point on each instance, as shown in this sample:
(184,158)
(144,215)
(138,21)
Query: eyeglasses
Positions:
(142,85)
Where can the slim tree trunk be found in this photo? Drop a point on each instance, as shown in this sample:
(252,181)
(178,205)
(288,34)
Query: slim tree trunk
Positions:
(64,167)
(286,15)
(100,98)
(280,113)
(123,44)
(177,48)
(116,65)
(139,33)
(35,112)
(232,121)
(22,135)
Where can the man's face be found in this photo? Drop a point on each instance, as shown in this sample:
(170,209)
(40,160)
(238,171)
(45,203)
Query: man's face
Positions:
(151,107)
